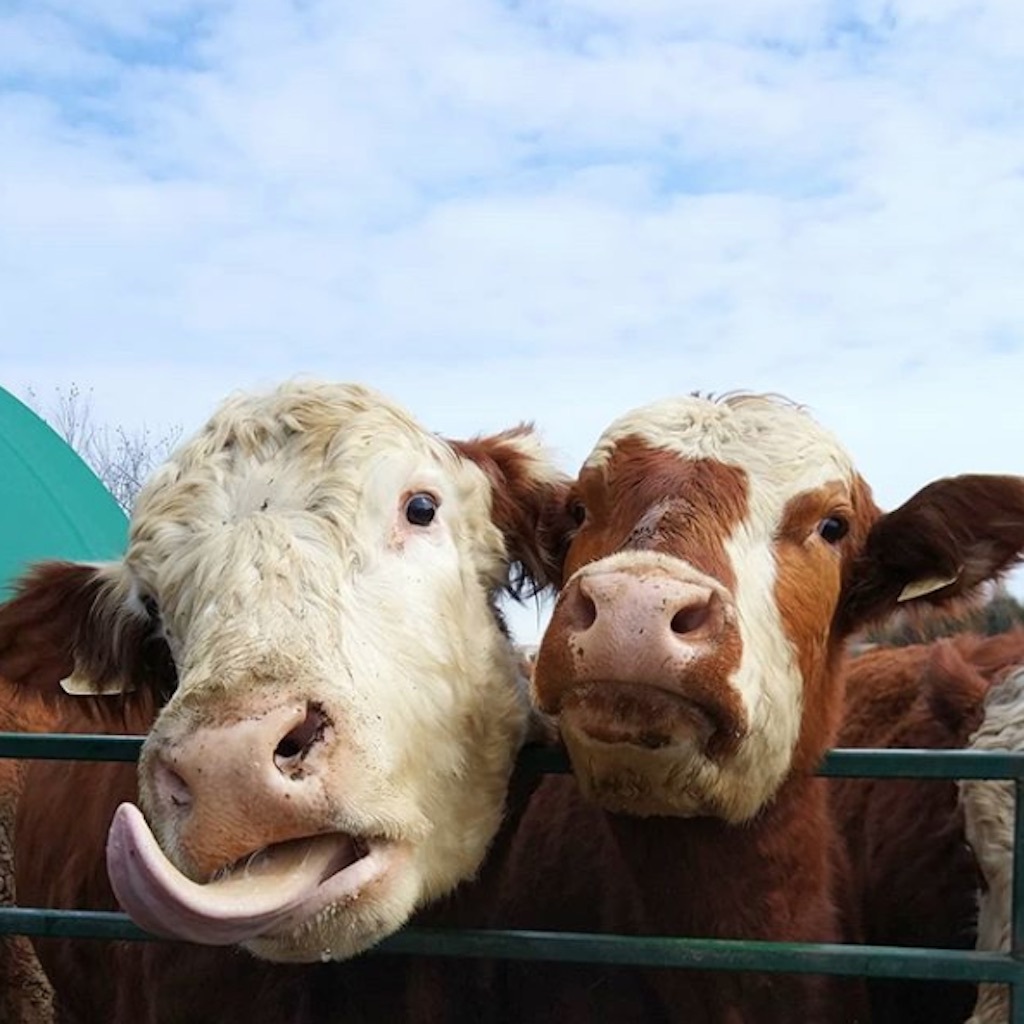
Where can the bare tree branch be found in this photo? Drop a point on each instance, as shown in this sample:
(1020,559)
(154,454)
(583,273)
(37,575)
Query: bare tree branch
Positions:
(121,459)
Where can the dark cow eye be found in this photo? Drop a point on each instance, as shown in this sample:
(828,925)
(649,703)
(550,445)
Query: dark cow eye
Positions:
(151,607)
(420,509)
(578,511)
(833,529)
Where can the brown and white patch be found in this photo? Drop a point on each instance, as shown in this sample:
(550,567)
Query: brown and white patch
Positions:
(726,495)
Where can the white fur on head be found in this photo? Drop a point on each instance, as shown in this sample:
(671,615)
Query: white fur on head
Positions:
(766,434)
(275,545)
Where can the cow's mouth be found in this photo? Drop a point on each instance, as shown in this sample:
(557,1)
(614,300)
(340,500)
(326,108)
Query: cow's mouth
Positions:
(641,749)
(269,893)
(647,717)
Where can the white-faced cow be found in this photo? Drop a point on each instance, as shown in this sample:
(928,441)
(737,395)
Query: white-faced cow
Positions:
(305,623)
(725,551)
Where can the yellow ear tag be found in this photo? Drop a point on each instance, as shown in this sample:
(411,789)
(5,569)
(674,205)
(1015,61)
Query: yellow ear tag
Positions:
(79,686)
(919,588)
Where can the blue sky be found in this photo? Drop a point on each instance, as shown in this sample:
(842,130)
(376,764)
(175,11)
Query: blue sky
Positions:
(549,210)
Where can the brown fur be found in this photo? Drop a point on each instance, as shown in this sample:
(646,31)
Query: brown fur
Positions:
(936,533)
(25,993)
(906,840)
(103,648)
(800,586)
(531,514)
(695,505)
(786,874)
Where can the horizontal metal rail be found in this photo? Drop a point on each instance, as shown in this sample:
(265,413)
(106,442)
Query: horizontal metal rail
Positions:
(69,746)
(839,763)
(643,951)
(570,947)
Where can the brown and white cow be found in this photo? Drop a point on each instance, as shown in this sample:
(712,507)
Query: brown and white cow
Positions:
(725,551)
(918,879)
(305,624)
(26,996)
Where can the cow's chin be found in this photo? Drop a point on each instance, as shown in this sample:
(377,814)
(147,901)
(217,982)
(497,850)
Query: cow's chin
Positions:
(631,761)
(347,925)
(323,897)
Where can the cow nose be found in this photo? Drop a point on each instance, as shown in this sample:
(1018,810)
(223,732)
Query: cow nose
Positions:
(643,626)
(657,607)
(255,779)
(295,745)
(281,738)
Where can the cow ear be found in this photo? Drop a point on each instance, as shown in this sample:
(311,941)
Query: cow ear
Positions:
(528,503)
(941,545)
(76,628)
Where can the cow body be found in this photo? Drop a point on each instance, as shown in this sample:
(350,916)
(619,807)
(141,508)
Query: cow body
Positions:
(26,996)
(305,628)
(725,550)
(988,809)
(900,831)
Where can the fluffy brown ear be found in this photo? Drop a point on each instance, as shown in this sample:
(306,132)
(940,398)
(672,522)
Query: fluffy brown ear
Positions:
(72,627)
(528,503)
(949,538)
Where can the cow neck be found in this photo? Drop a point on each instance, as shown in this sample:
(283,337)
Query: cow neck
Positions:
(766,878)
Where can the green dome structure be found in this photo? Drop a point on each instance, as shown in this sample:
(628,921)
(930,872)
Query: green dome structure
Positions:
(52,505)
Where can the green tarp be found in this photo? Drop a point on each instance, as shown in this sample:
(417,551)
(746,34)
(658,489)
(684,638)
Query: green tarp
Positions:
(52,505)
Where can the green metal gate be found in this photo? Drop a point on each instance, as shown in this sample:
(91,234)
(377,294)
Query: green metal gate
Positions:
(705,954)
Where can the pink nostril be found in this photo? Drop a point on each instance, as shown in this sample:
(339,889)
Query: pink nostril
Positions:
(298,741)
(689,620)
(579,607)
(586,612)
(172,787)
(697,614)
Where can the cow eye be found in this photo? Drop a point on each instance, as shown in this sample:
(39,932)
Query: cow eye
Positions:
(833,529)
(150,606)
(578,511)
(420,509)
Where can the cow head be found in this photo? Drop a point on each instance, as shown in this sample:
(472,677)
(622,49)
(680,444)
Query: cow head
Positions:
(309,596)
(724,551)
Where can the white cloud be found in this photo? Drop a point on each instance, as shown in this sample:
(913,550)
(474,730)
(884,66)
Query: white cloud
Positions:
(500,210)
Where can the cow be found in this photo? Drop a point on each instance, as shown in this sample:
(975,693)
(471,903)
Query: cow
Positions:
(306,627)
(989,823)
(900,831)
(26,996)
(725,550)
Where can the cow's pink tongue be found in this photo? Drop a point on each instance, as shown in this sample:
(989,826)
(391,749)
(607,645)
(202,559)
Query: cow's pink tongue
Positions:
(246,902)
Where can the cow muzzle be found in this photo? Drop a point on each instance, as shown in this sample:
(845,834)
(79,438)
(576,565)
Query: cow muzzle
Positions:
(249,846)
(635,664)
